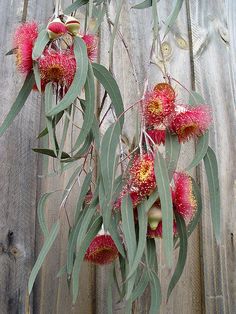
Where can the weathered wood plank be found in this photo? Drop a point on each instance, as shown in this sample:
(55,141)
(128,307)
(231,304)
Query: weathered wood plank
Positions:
(213,37)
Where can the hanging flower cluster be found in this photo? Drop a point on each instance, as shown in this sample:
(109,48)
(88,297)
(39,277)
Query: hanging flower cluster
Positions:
(57,63)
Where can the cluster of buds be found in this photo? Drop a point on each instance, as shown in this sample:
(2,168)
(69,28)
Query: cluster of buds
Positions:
(57,63)
(161,112)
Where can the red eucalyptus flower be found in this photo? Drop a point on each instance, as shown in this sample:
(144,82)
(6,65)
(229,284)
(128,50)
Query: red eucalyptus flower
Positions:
(191,122)
(24,39)
(57,66)
(158,136)
(183,198)
(158,104)
(91,42)
(102,250)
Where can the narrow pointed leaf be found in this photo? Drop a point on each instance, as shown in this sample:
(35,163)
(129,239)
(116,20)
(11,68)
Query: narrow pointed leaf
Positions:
(143,5)
(155,293)
(70,182)
(141,286)
(40,44)
(110,85)
(74,6)
(166,206)
(173,147)
(200,151)
(142,221)
(214,190)
(128,227)
(116,237)
(96,226)
(49,121)
(173,16)
(89,105)
(50,152)
(44,251)
(37,76)
(80,51)
(195,99)
(19,102)
(182,233)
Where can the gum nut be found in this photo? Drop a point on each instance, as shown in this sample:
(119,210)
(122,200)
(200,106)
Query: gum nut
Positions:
(155,214)
(153,225)
(72,25)
(56,29)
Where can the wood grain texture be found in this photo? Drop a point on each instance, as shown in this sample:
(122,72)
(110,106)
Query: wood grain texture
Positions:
(213,37)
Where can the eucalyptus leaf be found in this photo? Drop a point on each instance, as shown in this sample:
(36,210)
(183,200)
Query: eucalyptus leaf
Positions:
(80,51)
(89,108)
(113,230)
(49,121)
(143,5)
(195,98)
(75,5)
(37,76)
(182,233)
(166,206)
(56,119)
(19,102)
(200,151)
(214,190)
(155,293)
(80,255)
(173,16)
(172,147)
(50,152)
(70,183)
(141,286)
(110,85)
(40,44)
(44,251)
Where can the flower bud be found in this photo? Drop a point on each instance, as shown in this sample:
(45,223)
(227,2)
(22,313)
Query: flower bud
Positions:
(154,217)
(56,29)
(72,25)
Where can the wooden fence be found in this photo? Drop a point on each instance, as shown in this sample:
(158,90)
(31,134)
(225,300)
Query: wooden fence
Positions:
(200,53)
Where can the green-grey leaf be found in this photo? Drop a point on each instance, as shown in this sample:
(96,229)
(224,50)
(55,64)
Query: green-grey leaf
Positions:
(44,251)
(116,237)
(214,190)
(70,182)
(155,293)
(166,206)
(40,44)
(80,255)
(49,121)
(182,232)
(195,98)
(128,227)
(200,151)
(19,102)
(141,286)
(143,5)
(142,221)
(80,51)
(173,147)
(89,108)
(110,85)
(50,152)
(173,16)
(37,76)
(74,6)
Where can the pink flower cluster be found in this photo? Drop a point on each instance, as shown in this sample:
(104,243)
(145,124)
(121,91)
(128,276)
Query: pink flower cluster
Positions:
(161,112)
(56,64)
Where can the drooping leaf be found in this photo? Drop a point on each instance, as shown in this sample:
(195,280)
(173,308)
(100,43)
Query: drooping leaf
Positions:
(155,293)
(182,233)
(37,76)
(143,5)
(80,51)
(70,183)
(166,206)
(141,286)
(108,162)
(151,200)
(19,102)
(89,107)
(173,16)
(116,237)
(214,190)
(173,147)
(83,192)
(195,98)
(40,212)
(128,227)
(49,121)
(110,85)
(40,44)
(80,255)
(62,271)
(55,121)
(74,6)
(50,152)
(201,150)
(142,221)
(44,251)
